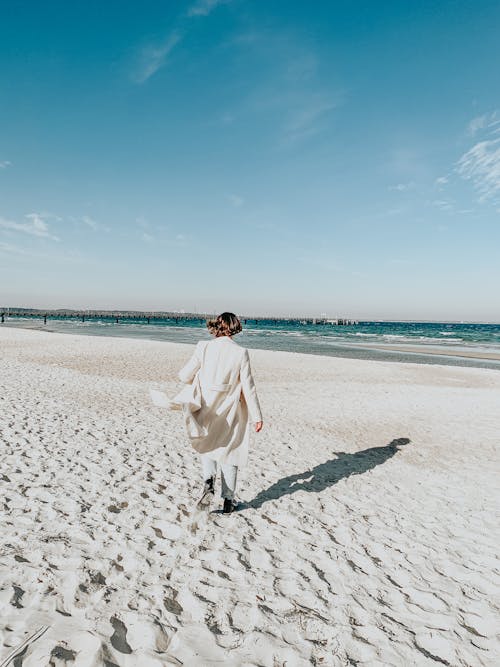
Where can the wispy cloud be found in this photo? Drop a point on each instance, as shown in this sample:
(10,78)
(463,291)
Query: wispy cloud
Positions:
(63,257)
(90,222)
(236,200)
(402,187)
(36,226)
(87,222)
(308,117)
(146,229)
(441,181)
(9,249)
(205,7)
(290,97)
(443,204)
(154,57)
(142,222)
(4,164)
(481,166)
(179,240)
(487,120)
(183,239)
(159,234)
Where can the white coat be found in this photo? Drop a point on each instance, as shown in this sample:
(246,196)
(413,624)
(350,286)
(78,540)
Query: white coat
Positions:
(220,400)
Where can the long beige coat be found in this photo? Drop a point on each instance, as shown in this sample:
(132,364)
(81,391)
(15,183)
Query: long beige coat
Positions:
(220,400)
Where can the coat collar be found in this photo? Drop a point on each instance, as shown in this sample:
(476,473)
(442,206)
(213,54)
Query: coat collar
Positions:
(224,338)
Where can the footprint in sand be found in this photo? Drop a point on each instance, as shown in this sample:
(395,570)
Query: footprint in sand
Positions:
(119,637)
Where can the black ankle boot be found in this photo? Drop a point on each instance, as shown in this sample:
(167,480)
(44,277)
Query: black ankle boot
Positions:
(228,506)
(208,492)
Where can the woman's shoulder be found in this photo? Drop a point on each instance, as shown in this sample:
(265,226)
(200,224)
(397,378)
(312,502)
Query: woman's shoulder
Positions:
(201,345)
(241,351)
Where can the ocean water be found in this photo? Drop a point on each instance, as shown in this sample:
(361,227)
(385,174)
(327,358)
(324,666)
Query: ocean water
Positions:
(365,340)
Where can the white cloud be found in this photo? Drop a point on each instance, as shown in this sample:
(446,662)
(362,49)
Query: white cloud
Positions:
(235,200)
(86,221)
(155,56)
(142,222)
(442,180)
(483,122)
(402,187)
(205,7)
(183,239)
(90,222)
(9,249)
(395,211)
(36,226)
(152,58)
(443,204)
(147,237)
(4,164)
(481,165)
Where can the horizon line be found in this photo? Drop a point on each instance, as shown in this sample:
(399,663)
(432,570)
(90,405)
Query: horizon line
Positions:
(116,312)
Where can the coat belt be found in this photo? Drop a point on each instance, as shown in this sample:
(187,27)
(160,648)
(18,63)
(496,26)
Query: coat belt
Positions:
(218,387)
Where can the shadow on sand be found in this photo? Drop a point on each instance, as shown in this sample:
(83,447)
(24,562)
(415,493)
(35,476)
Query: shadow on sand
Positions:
(329,473)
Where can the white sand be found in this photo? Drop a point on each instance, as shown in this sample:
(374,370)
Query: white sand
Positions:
(396,565)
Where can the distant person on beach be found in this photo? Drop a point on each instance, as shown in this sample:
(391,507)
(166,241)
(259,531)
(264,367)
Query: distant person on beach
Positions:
(219,403)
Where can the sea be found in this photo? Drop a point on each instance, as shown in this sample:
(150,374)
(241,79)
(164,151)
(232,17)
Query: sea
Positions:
(449,343)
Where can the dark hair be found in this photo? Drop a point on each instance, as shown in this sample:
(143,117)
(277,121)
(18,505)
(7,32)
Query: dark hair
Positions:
(225,324)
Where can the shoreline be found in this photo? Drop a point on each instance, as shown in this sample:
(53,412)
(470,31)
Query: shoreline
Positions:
(412,354)
(439,351)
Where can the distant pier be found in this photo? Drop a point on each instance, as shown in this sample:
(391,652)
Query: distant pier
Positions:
(124,316)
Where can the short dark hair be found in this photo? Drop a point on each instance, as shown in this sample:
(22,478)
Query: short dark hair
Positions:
(225,324)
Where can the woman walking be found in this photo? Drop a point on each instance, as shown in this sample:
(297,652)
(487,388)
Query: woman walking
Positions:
(219,404)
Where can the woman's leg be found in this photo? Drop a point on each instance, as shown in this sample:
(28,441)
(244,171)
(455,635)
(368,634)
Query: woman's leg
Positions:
(209,467)
(229,475)
(209,471)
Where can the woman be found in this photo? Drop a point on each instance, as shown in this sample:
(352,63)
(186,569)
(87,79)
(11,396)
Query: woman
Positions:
(218,405)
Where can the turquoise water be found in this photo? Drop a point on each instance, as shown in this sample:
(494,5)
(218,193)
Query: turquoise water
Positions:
(354,341)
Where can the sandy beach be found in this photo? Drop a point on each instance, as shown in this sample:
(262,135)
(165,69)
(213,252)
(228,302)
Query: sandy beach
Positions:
(368,532)
(452,352)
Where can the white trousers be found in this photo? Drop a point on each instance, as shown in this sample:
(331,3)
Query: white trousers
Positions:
(229,474)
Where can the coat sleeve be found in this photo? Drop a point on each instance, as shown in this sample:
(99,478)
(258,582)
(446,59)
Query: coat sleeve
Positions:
(249,390)
(187,372)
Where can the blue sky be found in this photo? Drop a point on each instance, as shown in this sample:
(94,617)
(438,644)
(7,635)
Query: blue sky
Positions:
(257,156)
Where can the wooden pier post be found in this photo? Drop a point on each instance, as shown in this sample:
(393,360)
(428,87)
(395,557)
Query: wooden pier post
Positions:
(45,318)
